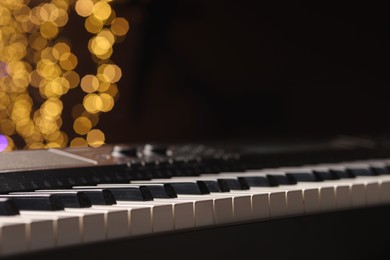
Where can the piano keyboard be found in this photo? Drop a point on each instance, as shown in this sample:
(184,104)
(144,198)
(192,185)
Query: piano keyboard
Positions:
(206,195)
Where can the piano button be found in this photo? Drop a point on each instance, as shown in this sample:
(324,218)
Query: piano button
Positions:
(162,214)
(116,220)
(12,237)
(7,207)
(254,181)
(140,193)
(35,202)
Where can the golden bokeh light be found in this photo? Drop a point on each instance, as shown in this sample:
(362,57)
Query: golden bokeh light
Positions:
(120,26)
(84,8)
(38,67)
(78,142)
(82,125)
(101,10)
(95,138)
(89,83)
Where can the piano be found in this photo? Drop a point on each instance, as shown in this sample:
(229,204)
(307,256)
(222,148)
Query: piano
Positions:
(325,200)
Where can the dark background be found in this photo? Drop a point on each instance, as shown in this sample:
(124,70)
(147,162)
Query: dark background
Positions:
(241,70)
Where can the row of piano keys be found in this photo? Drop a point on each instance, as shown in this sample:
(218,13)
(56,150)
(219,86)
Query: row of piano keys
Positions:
(45,219)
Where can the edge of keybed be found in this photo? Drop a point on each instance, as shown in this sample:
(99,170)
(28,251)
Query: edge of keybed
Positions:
(348,234)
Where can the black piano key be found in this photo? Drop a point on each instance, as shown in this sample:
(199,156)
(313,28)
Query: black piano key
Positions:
(70,199)
(35,202)
(342,174)
(95,196)
(254,181)
(325,175)
(276,180)
(380,170)
(162,191)
(189,188)
(8,208)
(158,191)
(140,193)
(233,184)
(360,172)
(302,177)
(213,186)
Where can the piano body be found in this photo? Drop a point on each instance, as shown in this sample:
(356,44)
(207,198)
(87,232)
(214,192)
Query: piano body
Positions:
(337,225)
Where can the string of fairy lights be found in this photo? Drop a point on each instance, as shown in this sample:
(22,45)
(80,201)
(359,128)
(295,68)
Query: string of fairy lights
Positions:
(34,59)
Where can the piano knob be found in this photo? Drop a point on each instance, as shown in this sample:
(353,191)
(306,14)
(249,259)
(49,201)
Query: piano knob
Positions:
(155,149)
(121,150)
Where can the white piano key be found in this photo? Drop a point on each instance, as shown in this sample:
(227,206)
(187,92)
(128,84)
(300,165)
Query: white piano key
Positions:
(373,193)
(140,222)
(116,220)
(13,236)
(40,233)
(183,212)
(294,201)
(358,195)
(385,191)
(204,208)
(67,228)
(327,198)
(251,206)
(241,204)
(162,213)
(140,219)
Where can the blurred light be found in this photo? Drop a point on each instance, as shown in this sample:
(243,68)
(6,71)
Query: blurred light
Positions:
(35,61)
(95,138)
(120,26)
(78,142)
(3,143)
(82,125)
